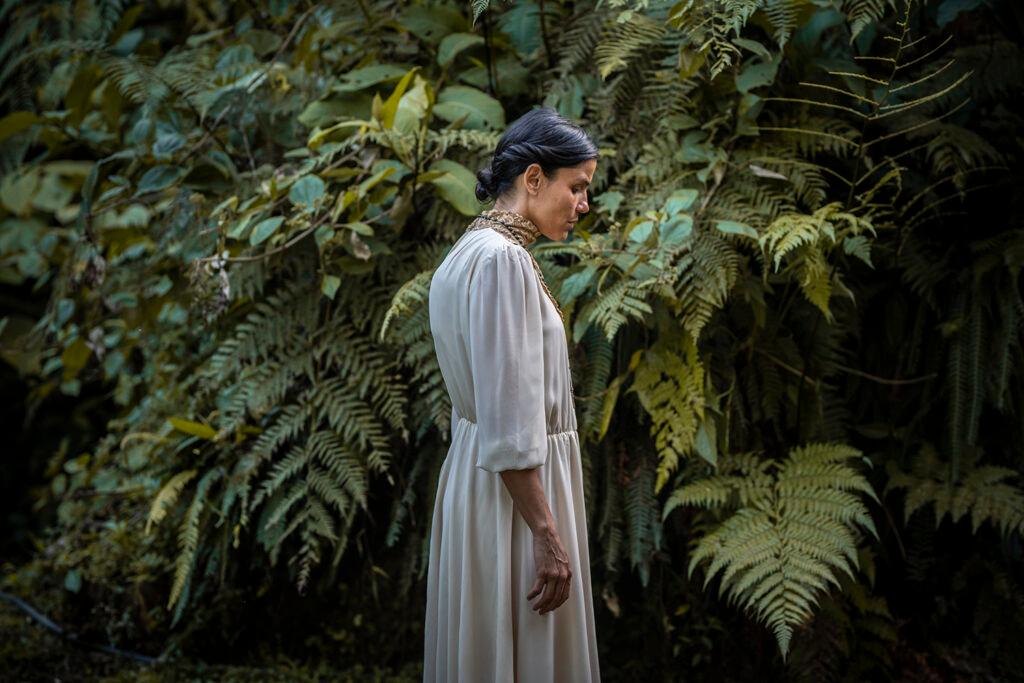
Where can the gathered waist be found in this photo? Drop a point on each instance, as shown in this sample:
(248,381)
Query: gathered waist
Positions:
(551,435)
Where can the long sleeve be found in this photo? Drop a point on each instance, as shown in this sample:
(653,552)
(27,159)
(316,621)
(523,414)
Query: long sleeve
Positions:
(506,356)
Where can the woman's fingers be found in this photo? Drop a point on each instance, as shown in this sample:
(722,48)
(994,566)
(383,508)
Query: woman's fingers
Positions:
(535,590)
(565,589)
(548,600)
(556,591)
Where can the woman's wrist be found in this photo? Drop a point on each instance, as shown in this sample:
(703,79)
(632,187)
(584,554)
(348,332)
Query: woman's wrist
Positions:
(545,528)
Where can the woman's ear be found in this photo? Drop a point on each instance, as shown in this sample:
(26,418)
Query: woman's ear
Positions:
(533,178)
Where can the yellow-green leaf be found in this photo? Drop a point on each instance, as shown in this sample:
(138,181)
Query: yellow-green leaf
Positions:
(457,186)
(193,428)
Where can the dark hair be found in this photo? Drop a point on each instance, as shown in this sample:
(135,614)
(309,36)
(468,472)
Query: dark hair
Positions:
(543,136)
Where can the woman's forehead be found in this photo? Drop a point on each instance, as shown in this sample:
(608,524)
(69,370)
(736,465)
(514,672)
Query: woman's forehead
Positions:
(580,172)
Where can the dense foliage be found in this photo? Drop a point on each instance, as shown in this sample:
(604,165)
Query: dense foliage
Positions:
(795,321)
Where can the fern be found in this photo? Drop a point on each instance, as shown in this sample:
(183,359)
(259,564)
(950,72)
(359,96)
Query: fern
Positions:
(793,531)
(982,491)
(166,498)
(188,536)
(671,389)
(643,525)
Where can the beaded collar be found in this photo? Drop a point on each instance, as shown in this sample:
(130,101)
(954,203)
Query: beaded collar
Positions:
(519,229)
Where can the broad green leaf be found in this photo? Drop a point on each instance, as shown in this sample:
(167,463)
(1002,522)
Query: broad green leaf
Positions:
(372,181)
(265,229)
(229,203)
(433,23)
(680,200)
(677,228)
(158,178)
(641,231)
(610,201)
(16,191)
(74,358)
(193,428)
(520,21)
(479,109)
(16,122)
(756,74)
(320,137)
(371,75)
(329,285)
(386,115)
(53,194)
(306,191)
(690,62)
(412,107)
(238,229)
(455,43)
(705,441)
(361,228)
(754,46)
(323,235)
(457,186)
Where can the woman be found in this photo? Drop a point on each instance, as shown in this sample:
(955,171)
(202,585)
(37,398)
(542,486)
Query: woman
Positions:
(508,581)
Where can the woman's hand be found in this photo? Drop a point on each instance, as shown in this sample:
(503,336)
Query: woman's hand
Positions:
(553,573)
(549,556)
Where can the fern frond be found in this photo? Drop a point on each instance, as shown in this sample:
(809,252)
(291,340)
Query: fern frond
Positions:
(788,541)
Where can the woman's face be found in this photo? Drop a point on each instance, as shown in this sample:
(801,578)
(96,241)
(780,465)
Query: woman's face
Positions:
(555,204)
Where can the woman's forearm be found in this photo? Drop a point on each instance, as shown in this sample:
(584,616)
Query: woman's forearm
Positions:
(528,495)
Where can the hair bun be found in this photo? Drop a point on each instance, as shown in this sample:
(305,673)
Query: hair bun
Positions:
(485,184)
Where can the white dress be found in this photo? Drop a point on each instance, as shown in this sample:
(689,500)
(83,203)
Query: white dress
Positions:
(502,350)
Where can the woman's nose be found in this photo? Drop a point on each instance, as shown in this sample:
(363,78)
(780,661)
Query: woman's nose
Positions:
(583,206)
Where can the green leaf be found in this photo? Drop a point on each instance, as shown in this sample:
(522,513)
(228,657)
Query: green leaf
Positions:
(754,46)
(390,106)
(479,109)
(641,231)
(430,24)
(756,74)
(73,580)
(412,107)
(306,191)
(360,228)
(323,235)
(265,229)
(74,358)
(704,443)
(457,186)
(329,285)
(677,228)
(16,122)
(734,228)
(193,428)
(365,77)
(16,191)
(53,194)
(680,200)
(159,178)
(455,43)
